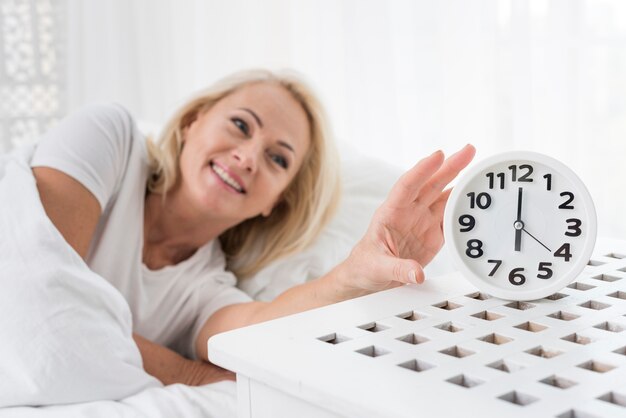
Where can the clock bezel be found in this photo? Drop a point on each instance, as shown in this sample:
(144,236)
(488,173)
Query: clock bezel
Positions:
(457,249)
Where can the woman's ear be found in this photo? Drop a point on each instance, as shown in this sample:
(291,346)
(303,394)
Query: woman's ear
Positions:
(184,134)
(268,211)
(187,121)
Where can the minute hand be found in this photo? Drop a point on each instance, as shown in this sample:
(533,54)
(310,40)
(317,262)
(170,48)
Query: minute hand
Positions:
(518,222)
(531,235)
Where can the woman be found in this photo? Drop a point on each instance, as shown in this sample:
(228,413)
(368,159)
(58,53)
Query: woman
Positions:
(247,165)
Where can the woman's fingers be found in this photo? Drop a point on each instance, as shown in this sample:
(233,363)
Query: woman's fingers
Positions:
(448,171)
(407,188)
(426,180)
(439,205)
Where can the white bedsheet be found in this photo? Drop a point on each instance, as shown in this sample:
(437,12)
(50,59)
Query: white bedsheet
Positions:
(217,400)
(66,346)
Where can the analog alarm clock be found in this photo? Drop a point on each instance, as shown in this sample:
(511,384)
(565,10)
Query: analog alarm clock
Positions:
(520,225)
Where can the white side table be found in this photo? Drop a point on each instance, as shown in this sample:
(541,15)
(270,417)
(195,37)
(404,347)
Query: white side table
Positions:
(442,349)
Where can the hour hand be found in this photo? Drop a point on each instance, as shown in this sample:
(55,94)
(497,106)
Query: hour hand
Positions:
(518,224)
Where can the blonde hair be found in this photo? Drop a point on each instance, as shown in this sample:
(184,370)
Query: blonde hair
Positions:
(308,202)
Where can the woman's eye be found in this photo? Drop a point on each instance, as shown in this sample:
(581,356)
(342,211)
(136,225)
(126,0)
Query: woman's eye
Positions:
(280,160)
(243,126)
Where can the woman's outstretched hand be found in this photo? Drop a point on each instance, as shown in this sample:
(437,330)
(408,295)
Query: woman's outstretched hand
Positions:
(405,234)
(406,230)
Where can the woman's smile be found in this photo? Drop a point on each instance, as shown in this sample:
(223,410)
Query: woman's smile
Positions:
(227,178)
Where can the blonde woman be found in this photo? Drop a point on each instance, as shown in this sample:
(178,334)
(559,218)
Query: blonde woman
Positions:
(242,175)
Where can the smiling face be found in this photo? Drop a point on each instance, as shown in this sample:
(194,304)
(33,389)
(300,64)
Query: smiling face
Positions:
(242,153)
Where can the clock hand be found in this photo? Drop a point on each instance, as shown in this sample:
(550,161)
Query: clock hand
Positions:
(519,225)
(523,229)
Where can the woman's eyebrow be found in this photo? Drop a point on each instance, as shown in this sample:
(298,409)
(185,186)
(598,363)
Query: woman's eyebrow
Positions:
(254,115)
(286,145)
(258,120)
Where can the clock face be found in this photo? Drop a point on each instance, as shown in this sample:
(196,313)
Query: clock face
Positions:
(520,225)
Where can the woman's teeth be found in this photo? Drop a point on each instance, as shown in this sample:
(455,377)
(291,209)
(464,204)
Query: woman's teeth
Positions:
(227,179)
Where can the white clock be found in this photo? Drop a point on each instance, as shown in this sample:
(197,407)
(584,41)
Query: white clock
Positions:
(520,225)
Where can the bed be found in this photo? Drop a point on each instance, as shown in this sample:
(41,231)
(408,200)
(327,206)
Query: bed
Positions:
(47,358)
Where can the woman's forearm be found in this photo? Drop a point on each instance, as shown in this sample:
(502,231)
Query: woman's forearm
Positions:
(170,367)
(331,288)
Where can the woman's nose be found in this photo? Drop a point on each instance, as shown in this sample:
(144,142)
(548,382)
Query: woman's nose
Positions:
(247,155)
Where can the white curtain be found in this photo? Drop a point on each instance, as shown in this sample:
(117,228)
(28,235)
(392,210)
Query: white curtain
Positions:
(400,78)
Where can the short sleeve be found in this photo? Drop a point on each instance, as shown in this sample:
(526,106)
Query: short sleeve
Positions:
(92,145)
(217,293)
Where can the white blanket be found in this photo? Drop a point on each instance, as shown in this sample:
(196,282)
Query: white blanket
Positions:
(210,401)
(65,332)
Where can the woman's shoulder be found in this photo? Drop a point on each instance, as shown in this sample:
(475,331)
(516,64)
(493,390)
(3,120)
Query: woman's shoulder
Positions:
(95,144)
(111,118)
(113,111)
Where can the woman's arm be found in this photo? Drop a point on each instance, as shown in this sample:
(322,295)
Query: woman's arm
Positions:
(170,367)
(70,206)
(404,235)
(75,211)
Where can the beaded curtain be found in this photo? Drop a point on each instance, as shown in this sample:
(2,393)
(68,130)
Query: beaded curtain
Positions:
(32,69)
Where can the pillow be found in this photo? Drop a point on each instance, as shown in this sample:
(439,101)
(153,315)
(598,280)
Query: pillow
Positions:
(66,332)
(366,181)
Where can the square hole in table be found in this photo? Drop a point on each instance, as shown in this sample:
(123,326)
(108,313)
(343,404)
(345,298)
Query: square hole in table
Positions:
(518,398)
(594,263)
(578,339)
(616,256)
(580,286)
(334,338)
(614,398)
(609,326)
(373,327)
(531,326)
(563,316)
(522,306)
(544,352)
(449,327)
(412,315)
(594,304)
(447,305)
(556,296)
(596,366)
(478,296)
(496,339)
(456,351)
(465,381)
(621,350)
(413,339)
(416,365)
(618,295)
(558,382)
(373,351)
(507,366)
(574,413)
(606,277)
(487,316)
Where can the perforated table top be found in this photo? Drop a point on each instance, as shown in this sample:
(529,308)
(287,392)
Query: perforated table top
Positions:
(443,348)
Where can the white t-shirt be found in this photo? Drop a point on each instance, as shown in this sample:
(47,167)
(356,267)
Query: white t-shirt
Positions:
(101,147)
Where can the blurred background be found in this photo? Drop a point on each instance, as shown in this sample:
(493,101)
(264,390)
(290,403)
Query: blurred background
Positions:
(400,78)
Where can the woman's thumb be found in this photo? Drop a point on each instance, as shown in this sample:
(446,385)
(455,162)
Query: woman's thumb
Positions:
(405,271)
